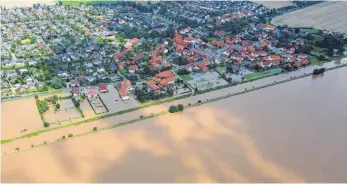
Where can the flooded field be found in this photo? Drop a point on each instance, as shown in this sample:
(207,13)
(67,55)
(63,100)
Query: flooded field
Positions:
(291,132)
(18,115)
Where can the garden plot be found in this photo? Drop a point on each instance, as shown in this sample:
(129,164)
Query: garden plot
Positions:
(203,81)
(66,113)
(114,103)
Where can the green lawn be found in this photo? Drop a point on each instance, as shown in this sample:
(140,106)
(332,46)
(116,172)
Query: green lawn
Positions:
(26,41)
(221,70)
(313,31)
(186,77)
(257,75)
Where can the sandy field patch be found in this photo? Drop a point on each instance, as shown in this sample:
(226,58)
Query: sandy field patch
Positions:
(114,103)
(17,115)
(225,141)
(330,15)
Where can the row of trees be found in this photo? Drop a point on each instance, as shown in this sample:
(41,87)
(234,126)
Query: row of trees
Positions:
(174,108)
(318,71)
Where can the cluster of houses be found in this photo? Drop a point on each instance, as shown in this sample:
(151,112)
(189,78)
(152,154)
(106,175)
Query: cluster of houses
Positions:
(129,16)
(86,49)
(28,83)
(92,92)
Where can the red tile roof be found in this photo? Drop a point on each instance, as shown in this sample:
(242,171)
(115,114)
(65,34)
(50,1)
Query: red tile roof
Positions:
(165,82)
(123,91)
(218,43)
(103,88)
(156,60)
(120,54)
(126,83)
(151,85)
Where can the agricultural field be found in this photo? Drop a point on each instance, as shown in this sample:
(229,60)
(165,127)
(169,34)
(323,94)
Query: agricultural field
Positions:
(114,103)
(18,115)
(275,4)
(330,15)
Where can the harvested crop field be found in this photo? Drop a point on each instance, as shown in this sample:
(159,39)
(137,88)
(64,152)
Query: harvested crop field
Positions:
(17,115)
(330,15)
(275,4)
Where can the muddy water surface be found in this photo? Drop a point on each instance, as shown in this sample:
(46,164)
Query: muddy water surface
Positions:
(291,132)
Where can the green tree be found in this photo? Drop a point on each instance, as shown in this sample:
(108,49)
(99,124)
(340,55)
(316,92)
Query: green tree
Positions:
(70,135)
(26,64)
(57,106)
(45,124)
(173,109)
(180,107)
(95,128)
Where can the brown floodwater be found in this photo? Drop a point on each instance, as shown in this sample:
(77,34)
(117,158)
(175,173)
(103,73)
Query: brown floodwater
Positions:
(291,132)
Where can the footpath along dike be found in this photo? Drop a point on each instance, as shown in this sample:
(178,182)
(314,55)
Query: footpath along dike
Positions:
(162,113)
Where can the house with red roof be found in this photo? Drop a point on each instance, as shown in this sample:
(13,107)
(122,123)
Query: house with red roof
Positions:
(164,78)
(127,84)
(265,64)
(251,48)
(305,62)
(120,54)
(91,92)
(218,43)
(270,27)
(274,57)
(103,89)
(155,61)
(276,62)
(203,66)
(151,87)
(75,92)
(123,93)
(132,42)
(260,53)
(123,90)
